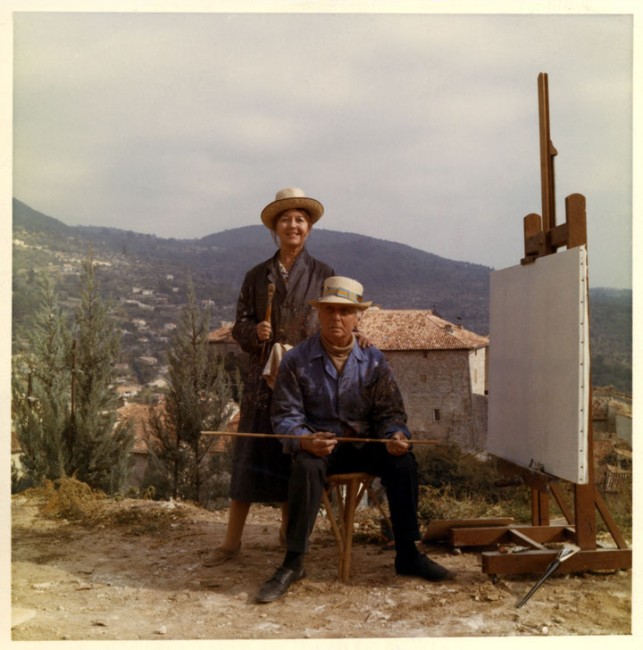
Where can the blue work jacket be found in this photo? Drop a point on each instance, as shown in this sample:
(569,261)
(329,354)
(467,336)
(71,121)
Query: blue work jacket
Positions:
(310,395)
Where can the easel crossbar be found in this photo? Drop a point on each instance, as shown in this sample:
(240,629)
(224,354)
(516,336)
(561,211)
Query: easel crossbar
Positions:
(495,563)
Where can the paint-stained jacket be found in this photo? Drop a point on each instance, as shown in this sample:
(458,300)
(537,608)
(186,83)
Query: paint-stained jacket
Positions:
(363,401)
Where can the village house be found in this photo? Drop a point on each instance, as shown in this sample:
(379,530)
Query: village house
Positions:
(138,417)
(440,369)
(222,338)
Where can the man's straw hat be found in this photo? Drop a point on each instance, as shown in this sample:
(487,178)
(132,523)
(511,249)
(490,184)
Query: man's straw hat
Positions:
(291,198)
(342,291)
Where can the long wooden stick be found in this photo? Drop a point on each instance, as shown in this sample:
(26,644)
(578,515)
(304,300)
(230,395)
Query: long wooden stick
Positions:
(236,434)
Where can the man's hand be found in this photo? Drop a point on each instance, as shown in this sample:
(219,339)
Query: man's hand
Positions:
(320,444)
(398,444)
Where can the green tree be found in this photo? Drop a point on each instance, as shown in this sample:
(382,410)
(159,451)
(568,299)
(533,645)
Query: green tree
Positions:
(100,449)
(41,390)
(198,399)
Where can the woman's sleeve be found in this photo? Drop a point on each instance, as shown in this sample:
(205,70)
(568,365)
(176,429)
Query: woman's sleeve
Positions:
(244,331)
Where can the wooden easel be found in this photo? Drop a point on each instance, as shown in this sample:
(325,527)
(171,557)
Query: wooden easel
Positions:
(543,237)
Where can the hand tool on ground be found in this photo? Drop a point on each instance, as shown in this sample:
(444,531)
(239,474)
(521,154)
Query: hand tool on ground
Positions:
(564,554)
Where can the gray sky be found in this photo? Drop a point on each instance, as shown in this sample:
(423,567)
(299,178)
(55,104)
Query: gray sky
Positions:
(420,129)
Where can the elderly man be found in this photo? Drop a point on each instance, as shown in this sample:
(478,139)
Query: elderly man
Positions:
(328,387)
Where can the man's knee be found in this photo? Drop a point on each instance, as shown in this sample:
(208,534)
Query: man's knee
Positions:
(401,468)
(308,467)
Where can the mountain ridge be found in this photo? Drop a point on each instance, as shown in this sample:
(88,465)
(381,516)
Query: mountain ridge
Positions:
(395,276)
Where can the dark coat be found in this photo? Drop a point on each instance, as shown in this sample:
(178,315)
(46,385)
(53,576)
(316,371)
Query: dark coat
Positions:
(260,467)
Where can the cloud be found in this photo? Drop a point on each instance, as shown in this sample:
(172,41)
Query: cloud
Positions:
(417,128)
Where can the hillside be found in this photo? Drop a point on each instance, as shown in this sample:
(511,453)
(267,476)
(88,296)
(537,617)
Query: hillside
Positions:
(396,276)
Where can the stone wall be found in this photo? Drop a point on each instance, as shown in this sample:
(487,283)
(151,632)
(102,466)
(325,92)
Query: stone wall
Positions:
(439,396)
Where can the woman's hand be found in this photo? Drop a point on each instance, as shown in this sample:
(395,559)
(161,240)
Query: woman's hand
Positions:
(320,444)
(264,331)
(362,340)
(398,444)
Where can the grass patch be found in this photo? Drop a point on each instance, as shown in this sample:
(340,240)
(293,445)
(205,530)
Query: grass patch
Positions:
(77,502)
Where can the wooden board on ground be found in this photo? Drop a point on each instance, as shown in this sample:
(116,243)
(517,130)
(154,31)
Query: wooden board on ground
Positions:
(439,529)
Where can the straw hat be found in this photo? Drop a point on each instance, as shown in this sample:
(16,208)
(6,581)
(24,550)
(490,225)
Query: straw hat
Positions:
(342,291)
(291,198)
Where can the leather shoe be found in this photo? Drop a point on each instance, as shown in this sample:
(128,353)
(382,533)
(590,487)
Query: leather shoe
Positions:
(422,567)
(278,585)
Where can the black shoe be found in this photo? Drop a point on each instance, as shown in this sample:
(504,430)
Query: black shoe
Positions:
(278,585)
(422,567)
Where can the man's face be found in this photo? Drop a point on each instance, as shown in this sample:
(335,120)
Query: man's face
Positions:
(337,322)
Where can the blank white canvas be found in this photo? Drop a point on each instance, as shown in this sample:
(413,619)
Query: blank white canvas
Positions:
(539,365)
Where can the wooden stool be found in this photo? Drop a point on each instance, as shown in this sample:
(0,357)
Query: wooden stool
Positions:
(348,490)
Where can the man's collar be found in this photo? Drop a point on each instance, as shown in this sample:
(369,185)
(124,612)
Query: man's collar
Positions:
(318,348)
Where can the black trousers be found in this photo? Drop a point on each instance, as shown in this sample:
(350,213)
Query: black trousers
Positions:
(308,480)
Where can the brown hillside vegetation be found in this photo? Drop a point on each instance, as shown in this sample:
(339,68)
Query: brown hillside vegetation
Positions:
(88,567)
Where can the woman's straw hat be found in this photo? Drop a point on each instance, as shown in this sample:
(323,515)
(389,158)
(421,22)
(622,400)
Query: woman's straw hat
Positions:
(291,198)
(342,291)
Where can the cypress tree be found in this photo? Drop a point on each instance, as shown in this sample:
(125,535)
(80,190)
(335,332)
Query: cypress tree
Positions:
(99,449)
(198,399)
(41,391)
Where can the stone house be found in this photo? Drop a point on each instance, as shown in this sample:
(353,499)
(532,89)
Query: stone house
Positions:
(440,369)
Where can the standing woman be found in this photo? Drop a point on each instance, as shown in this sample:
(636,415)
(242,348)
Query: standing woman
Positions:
(260,468)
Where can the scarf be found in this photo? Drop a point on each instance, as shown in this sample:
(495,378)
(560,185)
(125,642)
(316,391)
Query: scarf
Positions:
(338,355)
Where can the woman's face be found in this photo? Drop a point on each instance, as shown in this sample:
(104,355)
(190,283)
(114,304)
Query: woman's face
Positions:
(292,228)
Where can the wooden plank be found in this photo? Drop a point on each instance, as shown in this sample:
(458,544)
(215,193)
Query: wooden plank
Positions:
(496,563)
(462,537)
(585,495)
(439,528)
(534,238)
(520,537)
(539,508)
(576,220)
(558,236)
(562,504)
(545,534)
(536,246)
(474,537)
(547,153)
(532,225)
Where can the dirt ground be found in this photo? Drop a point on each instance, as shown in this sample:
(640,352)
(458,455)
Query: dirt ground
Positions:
(137,573)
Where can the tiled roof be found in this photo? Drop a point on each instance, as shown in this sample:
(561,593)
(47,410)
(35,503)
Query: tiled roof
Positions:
(416,329)
(400,329)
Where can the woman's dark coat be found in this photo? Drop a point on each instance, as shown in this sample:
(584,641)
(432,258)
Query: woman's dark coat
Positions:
(260,467)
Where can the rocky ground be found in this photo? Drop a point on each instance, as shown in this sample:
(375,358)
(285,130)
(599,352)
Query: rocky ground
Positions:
(134,570)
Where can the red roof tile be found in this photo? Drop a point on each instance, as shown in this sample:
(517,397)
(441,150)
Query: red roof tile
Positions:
(416,329)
